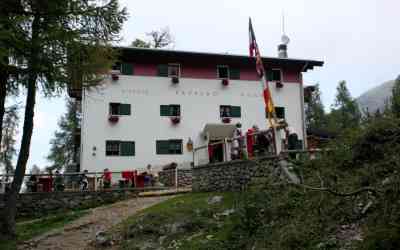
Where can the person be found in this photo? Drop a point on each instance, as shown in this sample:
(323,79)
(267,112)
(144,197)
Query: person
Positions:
(84,182)
(236,143)
(32,183)
(151,175)
(58,182)
(106,178)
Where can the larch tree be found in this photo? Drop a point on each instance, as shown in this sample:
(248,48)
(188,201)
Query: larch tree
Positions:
(62,145)
(64,41)
(10,130)
(395,101)
(345,112)
(158,39)
(315,113)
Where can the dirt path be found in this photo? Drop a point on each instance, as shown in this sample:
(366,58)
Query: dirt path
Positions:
(79,233)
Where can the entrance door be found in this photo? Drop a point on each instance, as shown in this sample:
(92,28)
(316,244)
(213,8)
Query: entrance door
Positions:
(216,152)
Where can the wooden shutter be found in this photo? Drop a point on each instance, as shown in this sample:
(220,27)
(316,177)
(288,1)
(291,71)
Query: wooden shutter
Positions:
(162,147)
(125,109)
(127,69)
(175,110)
(269,75)
(162,70)
(175,146)
(234,73)
(236,111)
(127,148)
(165,110)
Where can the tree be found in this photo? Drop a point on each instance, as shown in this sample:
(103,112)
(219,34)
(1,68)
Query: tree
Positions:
(62,151)
(10,129)
(65,40)
(158,39)
(345,111)
(395,102)
(315,113)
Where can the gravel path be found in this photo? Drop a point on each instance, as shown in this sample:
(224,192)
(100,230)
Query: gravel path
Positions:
(79,233)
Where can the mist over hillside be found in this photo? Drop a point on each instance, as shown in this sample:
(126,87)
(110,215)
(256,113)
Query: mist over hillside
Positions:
(376,98)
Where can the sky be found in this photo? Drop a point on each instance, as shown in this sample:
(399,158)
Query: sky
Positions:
(357,39)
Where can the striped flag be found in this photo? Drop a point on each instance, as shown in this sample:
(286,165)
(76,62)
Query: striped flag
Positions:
(254,51)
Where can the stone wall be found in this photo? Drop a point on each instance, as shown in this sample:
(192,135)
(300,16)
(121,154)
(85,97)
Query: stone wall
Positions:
(167,177)
(40,204)
(233,175)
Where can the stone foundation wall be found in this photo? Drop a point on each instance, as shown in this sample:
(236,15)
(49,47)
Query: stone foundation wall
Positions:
(167,177)
(40,204)
(233,175)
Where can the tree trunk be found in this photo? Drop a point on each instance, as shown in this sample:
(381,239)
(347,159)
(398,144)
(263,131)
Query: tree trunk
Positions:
(7,225)
(7,218)
(3,94)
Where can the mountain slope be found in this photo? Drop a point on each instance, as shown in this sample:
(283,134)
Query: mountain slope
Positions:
(376,98)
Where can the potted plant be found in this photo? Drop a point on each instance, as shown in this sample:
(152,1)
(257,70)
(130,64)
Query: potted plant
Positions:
(279,84)
(114,76)
(225,82)
(175,119)
(226,120)
(113,118)
(175,80)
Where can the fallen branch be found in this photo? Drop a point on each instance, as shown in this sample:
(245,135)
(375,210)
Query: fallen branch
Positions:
(324,189)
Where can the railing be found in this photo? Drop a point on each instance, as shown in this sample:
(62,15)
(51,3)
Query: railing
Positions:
(83,181)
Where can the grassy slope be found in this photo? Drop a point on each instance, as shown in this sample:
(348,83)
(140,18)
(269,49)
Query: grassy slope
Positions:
(28,230)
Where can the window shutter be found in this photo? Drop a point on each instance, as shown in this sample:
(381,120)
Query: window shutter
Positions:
(234,73)
(175,147)
(269,75)
(125,109)
(127,69)
(127,148)
(162,147)
(236,111)
(165,110)
(175,110)
(162,70)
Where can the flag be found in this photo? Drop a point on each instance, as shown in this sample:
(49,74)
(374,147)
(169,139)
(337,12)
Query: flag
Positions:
(254,51)
(252,40)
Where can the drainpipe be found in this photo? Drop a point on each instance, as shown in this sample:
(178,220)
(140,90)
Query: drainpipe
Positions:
(302,108)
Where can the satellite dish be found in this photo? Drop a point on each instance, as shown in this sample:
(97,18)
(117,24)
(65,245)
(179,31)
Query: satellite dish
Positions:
(285,39)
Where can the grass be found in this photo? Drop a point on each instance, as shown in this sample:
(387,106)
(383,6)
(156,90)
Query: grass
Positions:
(27,230)
(185,222)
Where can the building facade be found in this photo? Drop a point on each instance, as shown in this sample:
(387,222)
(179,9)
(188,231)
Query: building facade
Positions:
(155,106)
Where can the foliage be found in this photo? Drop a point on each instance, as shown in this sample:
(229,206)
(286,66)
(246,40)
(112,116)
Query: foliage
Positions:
(10,130)
(315,113)
(345,112)
(158,39)
(62,146)
(395,101)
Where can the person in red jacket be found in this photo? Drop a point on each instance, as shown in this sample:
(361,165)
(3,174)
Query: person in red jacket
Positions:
(106,178)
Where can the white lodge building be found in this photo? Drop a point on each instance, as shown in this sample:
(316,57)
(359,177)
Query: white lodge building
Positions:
(156,101)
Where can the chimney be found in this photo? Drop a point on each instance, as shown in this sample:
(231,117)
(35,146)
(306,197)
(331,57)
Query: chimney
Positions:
(282,51)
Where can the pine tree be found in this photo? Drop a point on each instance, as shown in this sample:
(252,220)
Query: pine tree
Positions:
(345,111)
(315,113)
(395,102)
(10,130)
(63,151)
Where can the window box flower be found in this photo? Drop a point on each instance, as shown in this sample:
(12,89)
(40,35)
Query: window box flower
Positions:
(114,77)
(175,80)
(113,119)
(279,84)
(175,119)
(225,82)
(226,120)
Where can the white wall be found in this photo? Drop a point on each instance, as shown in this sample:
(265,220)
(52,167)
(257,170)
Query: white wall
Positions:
(199,99)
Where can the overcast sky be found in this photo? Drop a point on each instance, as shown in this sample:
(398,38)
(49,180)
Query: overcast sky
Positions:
(358,40)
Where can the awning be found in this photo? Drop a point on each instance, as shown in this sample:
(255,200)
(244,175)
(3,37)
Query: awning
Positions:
(219,131)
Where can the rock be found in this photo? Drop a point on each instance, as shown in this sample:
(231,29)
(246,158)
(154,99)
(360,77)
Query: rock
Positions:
(102,239)
(161,239)
(214,200)
(228,212)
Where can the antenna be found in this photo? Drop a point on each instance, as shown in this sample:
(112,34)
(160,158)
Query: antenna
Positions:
(284,38)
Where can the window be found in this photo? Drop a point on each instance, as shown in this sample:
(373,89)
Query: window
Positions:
(234,73)
(280,112)
(274,75)
(119,109)
(169,147)
(230,111)
(126,69)
(170,110)
(222,72)
(120,148)
(168,70)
